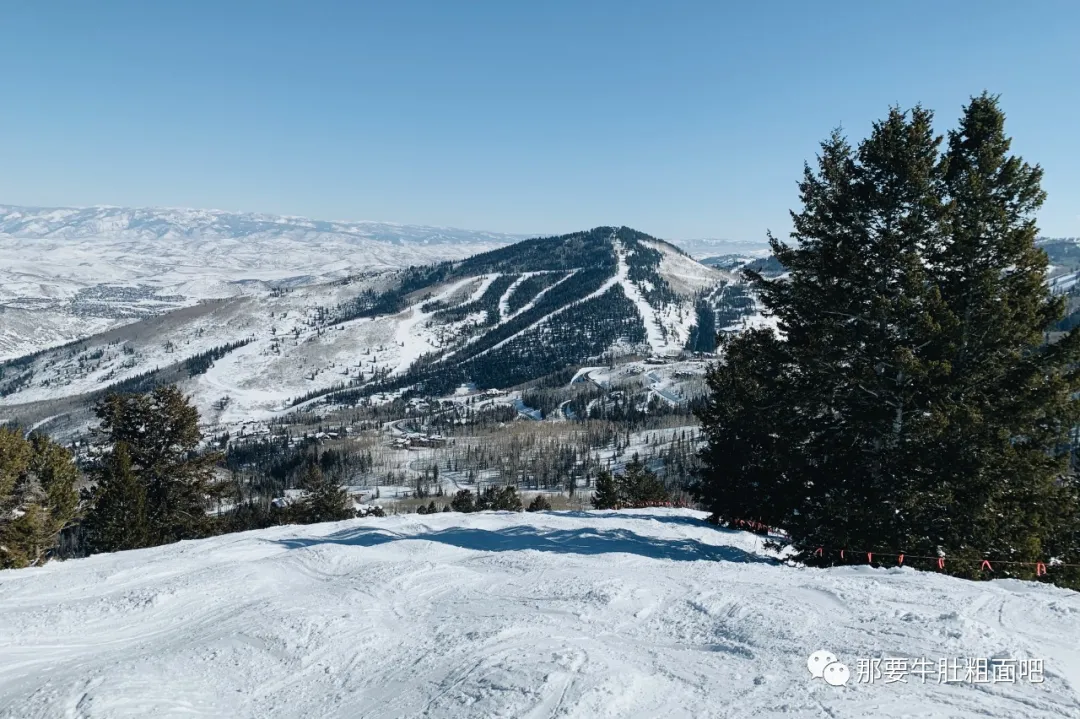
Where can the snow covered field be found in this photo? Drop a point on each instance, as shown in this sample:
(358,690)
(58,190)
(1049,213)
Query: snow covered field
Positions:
(633,614)
(64,272)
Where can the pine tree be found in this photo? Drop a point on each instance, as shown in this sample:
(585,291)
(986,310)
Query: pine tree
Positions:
(463,501)
(606,493)
(743,458)
(1004,459)
(323,499)
(499,499)
(38,499)
(539,503)
(639,486)
(117,520)
(703,332)
(885,413)
(508,500)
(161,432)
(843,392)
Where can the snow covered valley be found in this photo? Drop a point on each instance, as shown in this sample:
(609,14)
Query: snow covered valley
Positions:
(646,613)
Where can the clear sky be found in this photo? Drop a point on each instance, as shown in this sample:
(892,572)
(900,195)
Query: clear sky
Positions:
(681,119)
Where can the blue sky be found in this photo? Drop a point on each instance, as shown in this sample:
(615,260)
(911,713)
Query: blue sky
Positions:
(682,119)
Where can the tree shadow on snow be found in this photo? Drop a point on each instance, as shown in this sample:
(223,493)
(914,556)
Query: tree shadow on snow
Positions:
(662,518)
(585,541)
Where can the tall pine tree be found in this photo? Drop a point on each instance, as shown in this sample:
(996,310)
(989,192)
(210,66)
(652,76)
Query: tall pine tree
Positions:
(1008,400)
(118,518)
(907,401)
(324,500)
(160,431)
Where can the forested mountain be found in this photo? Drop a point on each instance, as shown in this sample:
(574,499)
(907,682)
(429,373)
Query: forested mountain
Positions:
(494,320)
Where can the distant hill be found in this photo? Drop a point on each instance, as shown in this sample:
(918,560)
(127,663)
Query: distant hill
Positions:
(705,248)
(69,272)
(768,265)
(1063,252)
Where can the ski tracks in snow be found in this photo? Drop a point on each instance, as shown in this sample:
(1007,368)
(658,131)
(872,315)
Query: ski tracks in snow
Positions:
(634,614)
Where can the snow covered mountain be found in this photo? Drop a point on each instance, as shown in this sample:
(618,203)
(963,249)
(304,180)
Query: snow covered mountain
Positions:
(494,320)
(634,614)
(66,273)
(178,225)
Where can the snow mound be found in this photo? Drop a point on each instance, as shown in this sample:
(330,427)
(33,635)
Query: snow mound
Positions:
(589,614)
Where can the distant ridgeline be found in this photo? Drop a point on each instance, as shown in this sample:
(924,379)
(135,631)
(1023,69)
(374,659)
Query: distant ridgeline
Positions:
(583,250)
(766,266)
(498,319)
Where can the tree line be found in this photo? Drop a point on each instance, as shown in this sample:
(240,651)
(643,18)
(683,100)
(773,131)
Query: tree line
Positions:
(154,483)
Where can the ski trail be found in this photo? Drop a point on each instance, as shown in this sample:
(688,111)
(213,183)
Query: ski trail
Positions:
(636,613)
(504,301)
(644,309)
(532,303)
(413,345)
(453,353)
(485,283)
(608,284)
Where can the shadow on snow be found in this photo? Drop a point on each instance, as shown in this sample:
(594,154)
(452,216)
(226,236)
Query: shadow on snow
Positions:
(585,541)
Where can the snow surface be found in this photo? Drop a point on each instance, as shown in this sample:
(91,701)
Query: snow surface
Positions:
(685,275)
(638,614)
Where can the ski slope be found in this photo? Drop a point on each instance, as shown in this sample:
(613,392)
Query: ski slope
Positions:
(595,614)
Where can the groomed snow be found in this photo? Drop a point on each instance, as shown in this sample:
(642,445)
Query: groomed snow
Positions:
(633,614)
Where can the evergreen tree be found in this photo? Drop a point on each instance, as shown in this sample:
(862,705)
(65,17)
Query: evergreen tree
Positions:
(463,501)
(37,497)
(606,493)
(160,431)
(118,518)
(323,499)
(539,503)
(885,415)
(1010,397)
(639,486)
(507,499)
(703,332)
(500,499)
(743,458)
